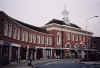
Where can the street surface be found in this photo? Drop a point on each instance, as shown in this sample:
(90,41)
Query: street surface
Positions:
(67,63)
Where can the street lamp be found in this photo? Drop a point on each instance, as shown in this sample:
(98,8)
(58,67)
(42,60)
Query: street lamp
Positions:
(90,19)
(86,31)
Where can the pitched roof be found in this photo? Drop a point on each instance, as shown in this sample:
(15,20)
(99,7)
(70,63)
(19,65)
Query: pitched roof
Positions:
(33,27)
(25,24)
(60,22)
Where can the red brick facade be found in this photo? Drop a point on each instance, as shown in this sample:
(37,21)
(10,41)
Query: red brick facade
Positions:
(39,41)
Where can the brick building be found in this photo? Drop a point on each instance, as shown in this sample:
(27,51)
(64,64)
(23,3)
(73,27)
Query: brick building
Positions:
(56,39)
(18,40)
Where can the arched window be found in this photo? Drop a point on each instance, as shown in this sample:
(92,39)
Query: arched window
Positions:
(76,45)
(68,45)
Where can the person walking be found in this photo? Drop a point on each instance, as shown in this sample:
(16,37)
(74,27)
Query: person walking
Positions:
(30,60)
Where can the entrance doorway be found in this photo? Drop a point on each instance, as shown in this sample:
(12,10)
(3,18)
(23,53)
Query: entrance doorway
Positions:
(39,53)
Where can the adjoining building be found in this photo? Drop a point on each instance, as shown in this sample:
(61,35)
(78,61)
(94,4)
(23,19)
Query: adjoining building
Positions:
(95,44)
(56,39)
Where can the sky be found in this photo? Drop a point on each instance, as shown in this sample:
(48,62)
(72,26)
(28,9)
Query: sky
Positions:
(40,12)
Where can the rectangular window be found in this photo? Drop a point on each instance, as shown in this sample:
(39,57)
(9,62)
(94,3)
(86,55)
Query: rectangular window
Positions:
(84,38)
(10,30)
(47,40)
(18,37)
(26,36)
(68,36)
(6,29)
(23,35)
(34,38)
(38,39)
(50,41)
(14,32)
(73,37)
(80,37)
(42,39)
(76,38)
(30,37)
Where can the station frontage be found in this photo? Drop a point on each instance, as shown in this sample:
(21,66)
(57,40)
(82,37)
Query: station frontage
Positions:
(56,39)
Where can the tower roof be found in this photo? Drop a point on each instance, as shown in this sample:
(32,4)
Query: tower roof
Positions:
(60,22)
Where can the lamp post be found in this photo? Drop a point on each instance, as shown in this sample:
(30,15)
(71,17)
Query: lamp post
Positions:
(88,22)
(90,19)
(86,32)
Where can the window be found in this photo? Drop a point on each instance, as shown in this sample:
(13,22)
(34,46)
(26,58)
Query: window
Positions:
(23,35)
(38,39)
(73,37)
(76,38)
(76,45)
(30,37)
(42,39)
(50,41)
(68,45)
(84,38)
(68,36)
(18,37)
(58,38)
(6,29)
(80,37)
(46,40)
(10,30)
(34,38)
(26,36)
(14,32)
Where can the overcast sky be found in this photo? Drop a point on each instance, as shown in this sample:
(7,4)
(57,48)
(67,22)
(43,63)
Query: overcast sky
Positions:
(39,12)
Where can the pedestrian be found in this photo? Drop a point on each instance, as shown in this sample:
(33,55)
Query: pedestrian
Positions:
(30,60)
(83,55)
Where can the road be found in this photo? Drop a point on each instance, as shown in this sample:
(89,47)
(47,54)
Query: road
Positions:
(64,64)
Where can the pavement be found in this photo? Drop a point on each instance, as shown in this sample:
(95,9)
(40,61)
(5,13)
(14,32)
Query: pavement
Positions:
(90,62)
(16,66)
(24,64)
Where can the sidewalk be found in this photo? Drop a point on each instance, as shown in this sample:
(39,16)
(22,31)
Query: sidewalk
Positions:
(43,60)
(16,66)
(24,64)
(90,62)
(85,62)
